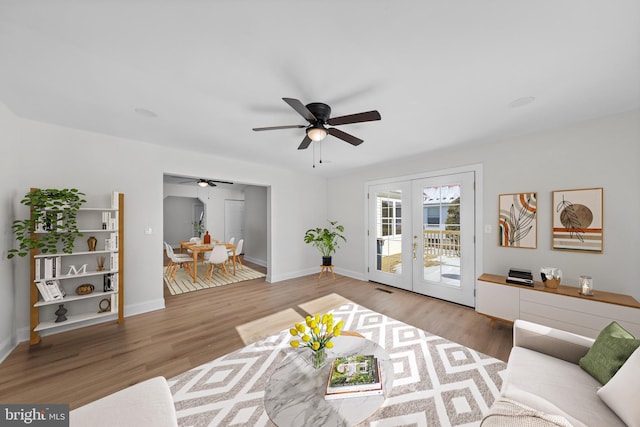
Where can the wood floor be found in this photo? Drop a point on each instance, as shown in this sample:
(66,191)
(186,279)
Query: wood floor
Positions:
(80,366)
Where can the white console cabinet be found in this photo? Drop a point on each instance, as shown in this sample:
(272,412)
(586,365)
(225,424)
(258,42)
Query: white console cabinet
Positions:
(562,308)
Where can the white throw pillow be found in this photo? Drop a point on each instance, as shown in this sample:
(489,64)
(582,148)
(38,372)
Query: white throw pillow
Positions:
(622,391)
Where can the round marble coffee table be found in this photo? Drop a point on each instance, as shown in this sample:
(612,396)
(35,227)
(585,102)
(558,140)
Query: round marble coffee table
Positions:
(294,395)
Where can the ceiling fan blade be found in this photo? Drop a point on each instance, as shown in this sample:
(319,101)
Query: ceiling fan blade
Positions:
(368,116)
(301,109)
(219,182)
(345,136)
(280,127)
(305,143)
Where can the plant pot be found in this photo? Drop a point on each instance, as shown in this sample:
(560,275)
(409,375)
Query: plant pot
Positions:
(326,260)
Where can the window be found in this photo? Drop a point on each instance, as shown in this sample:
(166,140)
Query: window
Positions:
(391,217)
(432,214)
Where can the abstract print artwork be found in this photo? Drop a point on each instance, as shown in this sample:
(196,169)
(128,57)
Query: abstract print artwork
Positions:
(577,220)
(518,220)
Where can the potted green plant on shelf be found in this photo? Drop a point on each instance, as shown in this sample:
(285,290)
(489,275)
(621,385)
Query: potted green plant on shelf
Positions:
(326,240)
(52,220)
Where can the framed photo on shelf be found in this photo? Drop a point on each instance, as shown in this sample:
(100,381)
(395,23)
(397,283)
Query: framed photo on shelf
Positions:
(518,220)
(578,220)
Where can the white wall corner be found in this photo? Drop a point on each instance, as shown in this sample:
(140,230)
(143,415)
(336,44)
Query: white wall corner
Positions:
(7,346)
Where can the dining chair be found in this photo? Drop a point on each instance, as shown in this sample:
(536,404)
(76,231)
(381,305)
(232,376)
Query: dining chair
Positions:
(238,259)
(232,240)
(218,257)
(176,261)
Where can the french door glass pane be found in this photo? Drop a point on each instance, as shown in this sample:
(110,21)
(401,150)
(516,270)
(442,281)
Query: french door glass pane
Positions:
(389,231)
(441,234)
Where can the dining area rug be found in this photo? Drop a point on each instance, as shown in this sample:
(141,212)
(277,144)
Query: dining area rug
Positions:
(437,382)
(183,281)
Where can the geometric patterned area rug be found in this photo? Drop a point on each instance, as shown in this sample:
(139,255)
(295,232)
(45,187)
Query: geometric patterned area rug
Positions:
(436,382)
(184,282)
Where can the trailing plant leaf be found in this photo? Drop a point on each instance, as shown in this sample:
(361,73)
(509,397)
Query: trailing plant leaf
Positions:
(52,220)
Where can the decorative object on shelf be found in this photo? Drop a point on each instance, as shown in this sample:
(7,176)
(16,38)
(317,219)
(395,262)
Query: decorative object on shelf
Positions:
(578,220)
(73,271)
(107,283)
(104,305)
(100,262)
(85,289)
(317,338)
(60,313)
(92,241)
(518,220)
(207,238)
(551,277)
(325,240)
(53,217)
(586,285)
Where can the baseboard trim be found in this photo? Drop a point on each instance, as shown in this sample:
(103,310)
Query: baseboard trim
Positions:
(316,271)
(144,307)
(260,262)
(351,273)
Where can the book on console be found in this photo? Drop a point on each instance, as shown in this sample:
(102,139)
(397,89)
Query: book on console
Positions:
(520,273)
(519,281)
(354,376)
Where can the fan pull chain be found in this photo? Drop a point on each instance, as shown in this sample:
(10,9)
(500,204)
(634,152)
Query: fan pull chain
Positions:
(320,151)
(314,156)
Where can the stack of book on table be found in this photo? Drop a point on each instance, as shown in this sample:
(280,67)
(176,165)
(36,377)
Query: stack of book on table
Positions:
(354,376)
(520,276)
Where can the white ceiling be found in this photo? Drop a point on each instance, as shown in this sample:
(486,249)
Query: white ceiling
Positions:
(440,73)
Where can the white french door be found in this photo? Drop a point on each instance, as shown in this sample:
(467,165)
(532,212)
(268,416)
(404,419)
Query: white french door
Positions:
(421,236)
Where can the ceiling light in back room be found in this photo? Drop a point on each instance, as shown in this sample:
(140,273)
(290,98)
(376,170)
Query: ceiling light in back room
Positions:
(521,102)
(145,112)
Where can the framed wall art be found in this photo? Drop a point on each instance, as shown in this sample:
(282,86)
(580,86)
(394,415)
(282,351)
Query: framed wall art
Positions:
(518,220)
(578,220)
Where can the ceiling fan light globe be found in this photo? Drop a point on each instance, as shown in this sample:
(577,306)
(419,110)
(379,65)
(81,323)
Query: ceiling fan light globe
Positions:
(317,133)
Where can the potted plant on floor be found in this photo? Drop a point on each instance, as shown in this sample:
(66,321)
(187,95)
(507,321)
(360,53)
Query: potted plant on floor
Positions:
(52,220)
(326,240)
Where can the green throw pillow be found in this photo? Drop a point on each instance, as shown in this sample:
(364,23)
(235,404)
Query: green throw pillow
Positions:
(610,350)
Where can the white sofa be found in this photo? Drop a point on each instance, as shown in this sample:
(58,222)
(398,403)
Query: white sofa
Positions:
(543,375)
(148,403)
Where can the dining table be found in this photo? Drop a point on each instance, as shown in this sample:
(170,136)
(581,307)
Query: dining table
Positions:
(198,248)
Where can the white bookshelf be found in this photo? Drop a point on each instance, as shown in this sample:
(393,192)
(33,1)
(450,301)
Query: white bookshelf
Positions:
(106,224)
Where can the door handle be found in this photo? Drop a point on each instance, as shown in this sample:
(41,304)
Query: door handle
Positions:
(415,247)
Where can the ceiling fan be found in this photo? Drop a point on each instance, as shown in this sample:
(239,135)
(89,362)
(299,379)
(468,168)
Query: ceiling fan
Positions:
(319,115)
(206,182)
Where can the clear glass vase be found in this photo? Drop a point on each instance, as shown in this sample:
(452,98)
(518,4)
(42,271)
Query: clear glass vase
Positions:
(318,358)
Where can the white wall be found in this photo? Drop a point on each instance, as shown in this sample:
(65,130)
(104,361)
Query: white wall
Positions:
(212,198)
(9,136)
(177,219)
(255,224)
(48,156)
(599,153)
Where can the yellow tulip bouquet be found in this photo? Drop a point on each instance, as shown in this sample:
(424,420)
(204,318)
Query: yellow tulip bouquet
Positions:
(317,337)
